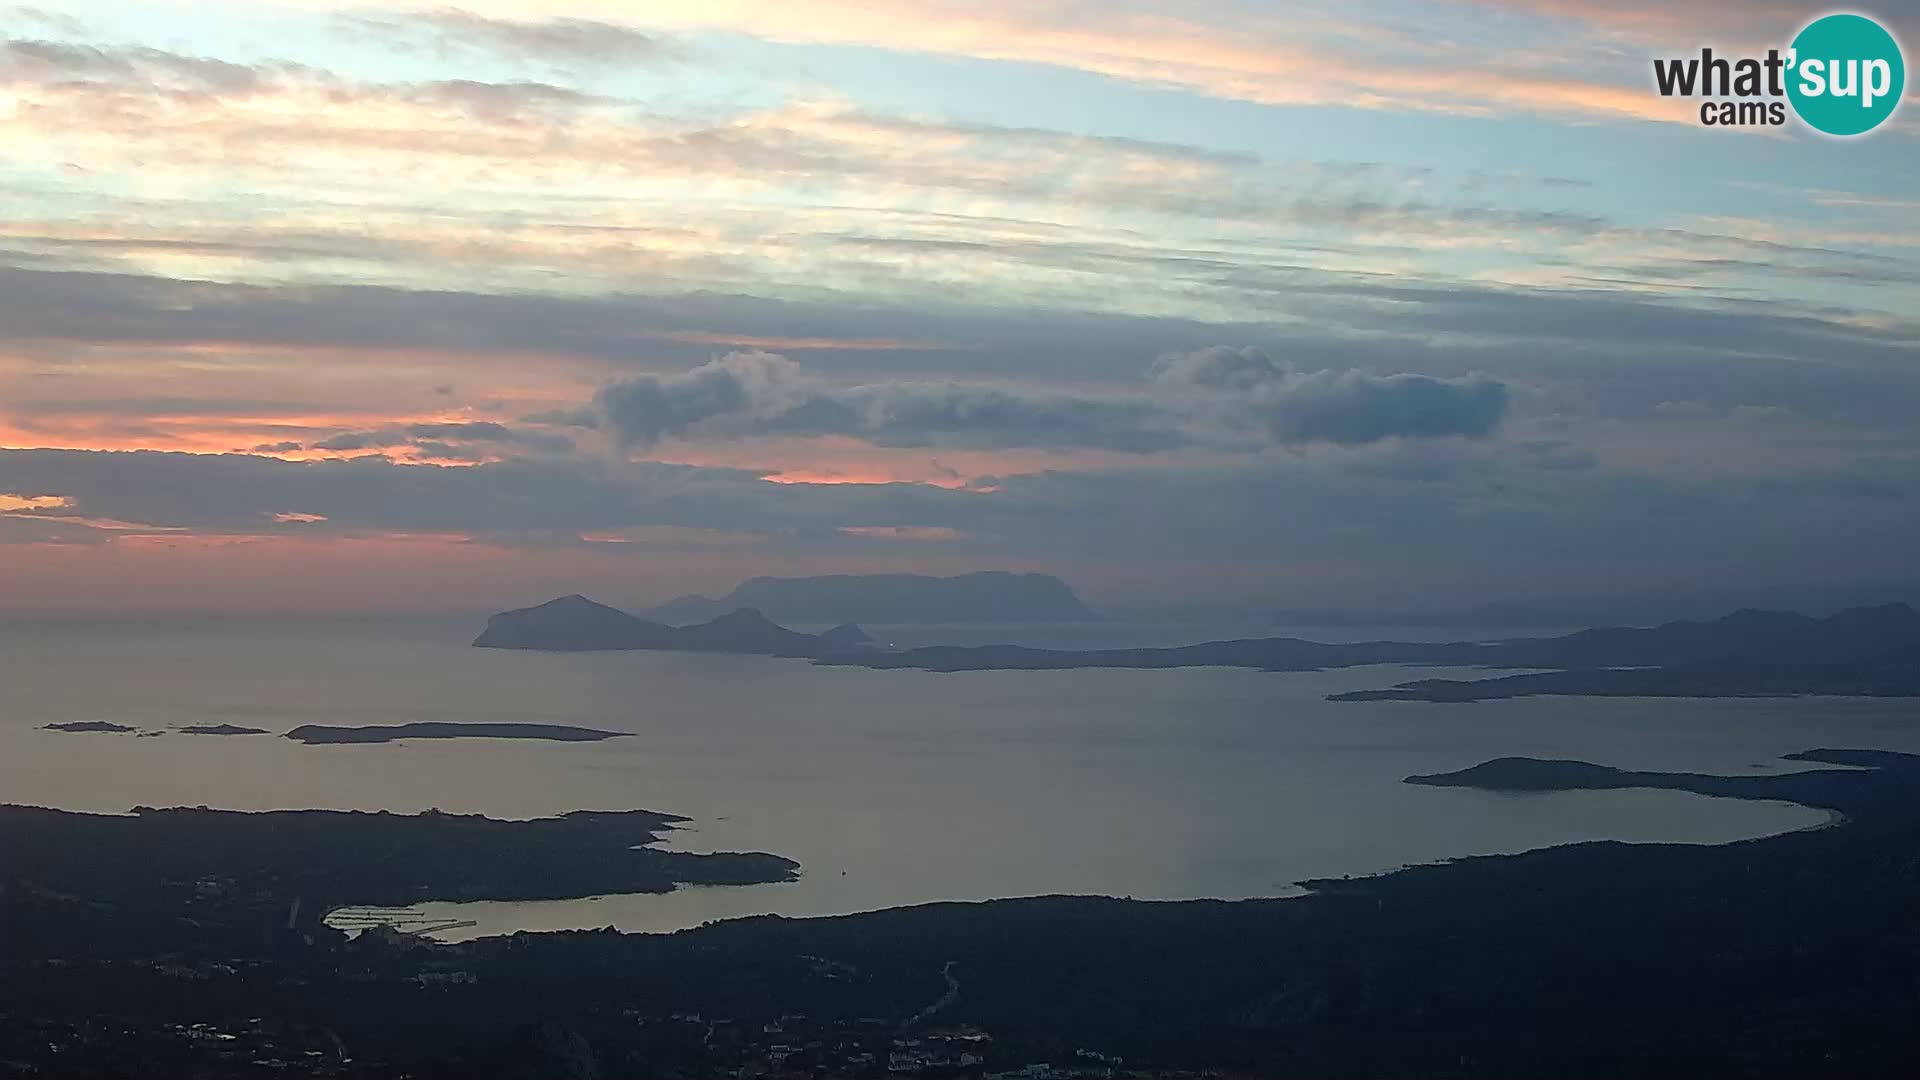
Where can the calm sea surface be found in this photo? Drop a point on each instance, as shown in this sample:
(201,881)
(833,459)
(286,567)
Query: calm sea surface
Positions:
(888,787)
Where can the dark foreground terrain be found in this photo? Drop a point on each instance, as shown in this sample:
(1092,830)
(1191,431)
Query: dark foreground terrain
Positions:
(1793,955)
(213,885)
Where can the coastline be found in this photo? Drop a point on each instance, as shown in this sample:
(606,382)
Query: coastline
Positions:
(1512,961)
(656,913)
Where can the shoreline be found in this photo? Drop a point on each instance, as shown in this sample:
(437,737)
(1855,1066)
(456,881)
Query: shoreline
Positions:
(1300,889)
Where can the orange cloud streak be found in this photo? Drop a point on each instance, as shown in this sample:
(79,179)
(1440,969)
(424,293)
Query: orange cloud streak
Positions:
(1266,60)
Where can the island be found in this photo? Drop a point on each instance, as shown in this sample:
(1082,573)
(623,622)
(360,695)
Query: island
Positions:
(221,729)
(321,734)
(1829,789)
(86,726)
(1871,651)
(1893,675)
(1856,634)
(990,596)
(1859,651)
(577,624)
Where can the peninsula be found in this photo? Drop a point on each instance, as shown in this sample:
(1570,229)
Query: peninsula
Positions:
(1893,675)
(1859,651)
(312,734)
(982,597)
(231,880)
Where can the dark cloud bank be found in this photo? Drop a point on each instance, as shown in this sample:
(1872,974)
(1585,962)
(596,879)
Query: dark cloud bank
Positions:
(1212,396)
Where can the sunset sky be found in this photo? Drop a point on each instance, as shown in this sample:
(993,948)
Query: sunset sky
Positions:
(312,306)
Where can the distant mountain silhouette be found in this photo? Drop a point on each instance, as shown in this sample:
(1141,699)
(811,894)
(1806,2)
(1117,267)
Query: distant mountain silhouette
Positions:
(1860,650)
(745,630)
(1862,633)
(846,636)
(577,624)
(1894,674)
(985,597)
(573,624)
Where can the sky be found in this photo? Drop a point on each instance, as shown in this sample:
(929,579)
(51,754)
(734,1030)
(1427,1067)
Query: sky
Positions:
(310,306)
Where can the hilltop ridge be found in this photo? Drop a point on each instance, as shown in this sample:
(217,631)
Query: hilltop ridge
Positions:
(576,624)
(990,596)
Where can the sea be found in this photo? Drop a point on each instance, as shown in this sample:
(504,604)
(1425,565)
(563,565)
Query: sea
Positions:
(888,787)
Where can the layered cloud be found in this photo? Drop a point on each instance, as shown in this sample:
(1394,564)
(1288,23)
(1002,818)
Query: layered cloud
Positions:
(643,410)
(466,440)
(278,364)
(564,43)
(1343,407)
(1557,58)
(127,157)
(763,393)
(1219,50)
(1473,57)
(1477,508)
(591,278)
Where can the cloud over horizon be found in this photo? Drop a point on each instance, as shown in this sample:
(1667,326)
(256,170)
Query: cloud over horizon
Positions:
(1207,396)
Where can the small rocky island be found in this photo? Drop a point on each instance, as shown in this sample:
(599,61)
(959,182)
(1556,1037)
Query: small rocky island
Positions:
(314,734)
(82,727)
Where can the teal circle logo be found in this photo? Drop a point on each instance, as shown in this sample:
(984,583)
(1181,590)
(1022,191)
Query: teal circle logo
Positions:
(1846,74)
